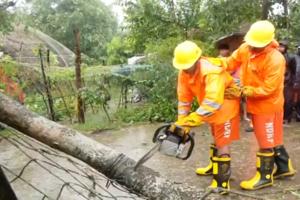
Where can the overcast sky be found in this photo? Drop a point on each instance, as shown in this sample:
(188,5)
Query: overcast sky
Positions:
(117,10)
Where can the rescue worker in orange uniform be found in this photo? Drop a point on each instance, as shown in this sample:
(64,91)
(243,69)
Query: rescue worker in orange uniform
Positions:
(204,79)
(262,76)
(224,51)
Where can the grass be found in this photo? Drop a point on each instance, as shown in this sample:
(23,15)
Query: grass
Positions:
(120,118)
(98,122)
(94,122)
(69,72)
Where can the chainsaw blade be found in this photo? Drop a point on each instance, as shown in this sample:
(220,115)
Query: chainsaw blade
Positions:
(148,155)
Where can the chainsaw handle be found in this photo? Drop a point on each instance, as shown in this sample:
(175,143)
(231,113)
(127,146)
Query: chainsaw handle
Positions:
(192,140)
(154,139)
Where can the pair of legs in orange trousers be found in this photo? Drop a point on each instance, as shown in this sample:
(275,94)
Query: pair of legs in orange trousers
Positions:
(219,165)
(268,129)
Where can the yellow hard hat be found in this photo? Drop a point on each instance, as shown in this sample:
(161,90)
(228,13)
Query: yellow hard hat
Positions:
(186,54)
(261,33)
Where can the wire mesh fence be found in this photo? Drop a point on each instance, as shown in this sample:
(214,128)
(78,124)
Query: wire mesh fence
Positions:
(23,42)
(37,171)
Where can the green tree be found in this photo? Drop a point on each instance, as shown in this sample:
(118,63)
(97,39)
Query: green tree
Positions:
(189,19)
(6,17)
(150,20)
(59,18)
(221,17)
(294,25)
(118,50)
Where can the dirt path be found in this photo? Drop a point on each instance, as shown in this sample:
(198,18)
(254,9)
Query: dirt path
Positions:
(135,141)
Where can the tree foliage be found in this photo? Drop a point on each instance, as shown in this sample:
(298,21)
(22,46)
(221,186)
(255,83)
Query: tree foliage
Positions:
(59,18)
(221,17)
(189,19)
(6,17)
(151,20)
(118,50)
(204,20)
(293,27)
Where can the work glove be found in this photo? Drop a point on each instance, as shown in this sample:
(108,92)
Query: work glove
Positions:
(180,117)
(193,119)
(232,92)
(248,91)
(180,131)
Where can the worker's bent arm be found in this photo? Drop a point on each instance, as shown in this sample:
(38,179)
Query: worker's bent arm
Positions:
(234,61)
(214,95)
(185,96)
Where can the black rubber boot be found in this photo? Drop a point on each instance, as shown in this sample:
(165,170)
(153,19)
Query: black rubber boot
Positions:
(283,163)
(264,173)
(6,191)
(204,171)
(221,174)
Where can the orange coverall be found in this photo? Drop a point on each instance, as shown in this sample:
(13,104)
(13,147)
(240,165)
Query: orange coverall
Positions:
(207,84)
(264,72)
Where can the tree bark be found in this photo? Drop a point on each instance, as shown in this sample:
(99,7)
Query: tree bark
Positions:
(113,164)
(265,9)
(286,13)
(80,104)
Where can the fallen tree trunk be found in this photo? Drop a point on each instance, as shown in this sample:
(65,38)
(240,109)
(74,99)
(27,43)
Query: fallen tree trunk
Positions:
(113,164)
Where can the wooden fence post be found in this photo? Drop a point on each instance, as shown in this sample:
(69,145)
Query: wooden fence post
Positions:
(80,104)
(47,88)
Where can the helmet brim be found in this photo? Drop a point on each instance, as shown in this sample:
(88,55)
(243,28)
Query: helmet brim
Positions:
(185,66)
(251,42)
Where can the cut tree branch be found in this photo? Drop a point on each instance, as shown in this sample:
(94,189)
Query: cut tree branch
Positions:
(113,164)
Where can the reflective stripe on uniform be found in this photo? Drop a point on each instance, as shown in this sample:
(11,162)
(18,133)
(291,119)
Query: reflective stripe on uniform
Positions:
(227,129)
(180,103)
(269,127)
(212,104)
(183,112)
(203,111)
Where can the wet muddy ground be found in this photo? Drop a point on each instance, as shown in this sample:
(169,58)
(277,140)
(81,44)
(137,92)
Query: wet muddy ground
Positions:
(136,141)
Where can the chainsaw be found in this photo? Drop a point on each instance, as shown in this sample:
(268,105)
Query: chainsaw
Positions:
(170,140)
